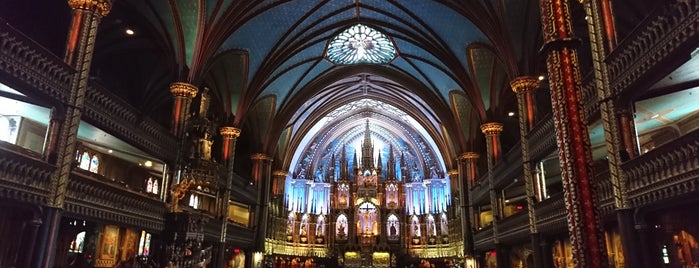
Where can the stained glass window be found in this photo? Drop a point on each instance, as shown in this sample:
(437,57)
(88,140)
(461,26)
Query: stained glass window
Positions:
(76,246)
(94,164)
(85,161)
(360,44)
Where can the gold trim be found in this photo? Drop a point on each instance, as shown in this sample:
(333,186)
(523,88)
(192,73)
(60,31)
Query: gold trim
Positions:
(469,155)
(453,172)
(524,83)
(182,89)
(229,132)
(491,128)
(279,173)
(260,156)
(99,7)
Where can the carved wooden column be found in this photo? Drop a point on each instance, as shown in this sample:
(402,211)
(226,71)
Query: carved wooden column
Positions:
(262,179)
(278,183)
(471,175)
(618,123)
(523,87)
(572,136)
(86,15)
(492,138)
(466,163)
(230,137)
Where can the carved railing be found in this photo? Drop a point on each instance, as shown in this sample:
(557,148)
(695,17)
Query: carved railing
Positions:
(112,114)
(673,28)
(590,100)
(483,238)
(605,192)
(45,76)
(508,168)
(542,141)
(23,177)
(665,172)
(514,228)
(551,215)
(24,61)
(90,196)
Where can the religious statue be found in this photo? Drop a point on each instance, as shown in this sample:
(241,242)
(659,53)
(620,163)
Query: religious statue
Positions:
(179,192)
(205,146)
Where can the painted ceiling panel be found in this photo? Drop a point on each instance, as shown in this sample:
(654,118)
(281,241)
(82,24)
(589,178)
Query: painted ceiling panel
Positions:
(403,65)
(447,23)
(462,108)
(282,86)
(317,70)
(438,78)
(261,33)
(189,15)
(227,79)
(301,56)
(320,17)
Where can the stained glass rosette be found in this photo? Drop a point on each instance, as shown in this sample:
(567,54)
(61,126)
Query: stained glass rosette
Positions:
(360,44)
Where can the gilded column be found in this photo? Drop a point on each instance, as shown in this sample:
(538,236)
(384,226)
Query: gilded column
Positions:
(279,177)
(466,177)
(262,179)
(230,137)
(572,136)
(523,87)
(492,138)
(279,182)
(618,123)
(183,94)
(86,15)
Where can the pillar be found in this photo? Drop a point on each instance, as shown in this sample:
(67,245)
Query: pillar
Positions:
(261,176)
(183,94)
(471,175)
(230,137)
(466,176)
(523,87)
(279,182)
(86,15)
(572,136)
(618,123)
(492,138)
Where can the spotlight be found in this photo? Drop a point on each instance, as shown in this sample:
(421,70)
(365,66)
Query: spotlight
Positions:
(511,114)
(129,31)
(542,77)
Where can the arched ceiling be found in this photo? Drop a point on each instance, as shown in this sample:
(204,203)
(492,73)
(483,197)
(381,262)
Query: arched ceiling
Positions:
(265,65)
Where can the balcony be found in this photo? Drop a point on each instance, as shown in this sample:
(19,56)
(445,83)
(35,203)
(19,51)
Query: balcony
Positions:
(669,171)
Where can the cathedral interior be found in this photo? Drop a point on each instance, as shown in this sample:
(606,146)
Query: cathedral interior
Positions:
(349,133)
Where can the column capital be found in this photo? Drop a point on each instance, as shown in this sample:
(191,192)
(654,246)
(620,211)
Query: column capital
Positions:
(453,172)
(279,173)
(491,128)
(99,7)
(260,156)
(523,84)
(469,155)
(183,89)
(229,132)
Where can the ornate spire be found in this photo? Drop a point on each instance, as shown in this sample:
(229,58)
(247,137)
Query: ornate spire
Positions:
(344,167)
(367,149)
(391,164)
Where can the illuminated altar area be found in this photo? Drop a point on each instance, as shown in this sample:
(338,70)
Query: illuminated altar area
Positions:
(367,196)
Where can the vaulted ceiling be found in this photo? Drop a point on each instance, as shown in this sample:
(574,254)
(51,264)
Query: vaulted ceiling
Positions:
(265,64)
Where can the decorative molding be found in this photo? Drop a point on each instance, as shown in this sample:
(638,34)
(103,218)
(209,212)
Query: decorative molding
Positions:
(24,61)
(667,172)
(44,76)
(671,29)
(113,202)
(23,178)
